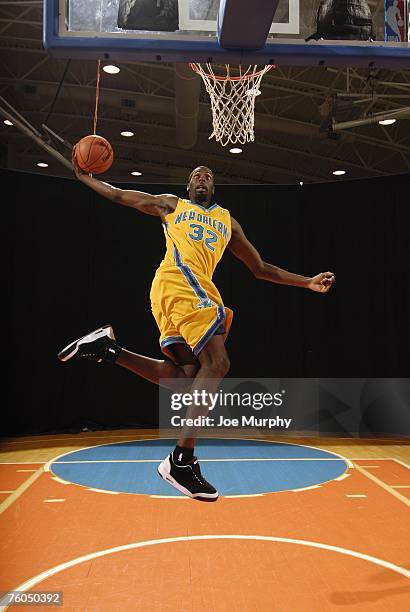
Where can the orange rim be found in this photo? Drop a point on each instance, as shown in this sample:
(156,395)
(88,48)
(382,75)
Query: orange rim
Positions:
(243,77)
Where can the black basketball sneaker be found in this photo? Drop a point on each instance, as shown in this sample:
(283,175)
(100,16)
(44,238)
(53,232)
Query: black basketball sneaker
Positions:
(187,479)
(99,345)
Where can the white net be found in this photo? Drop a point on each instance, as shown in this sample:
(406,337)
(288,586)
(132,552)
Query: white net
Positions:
(232,101)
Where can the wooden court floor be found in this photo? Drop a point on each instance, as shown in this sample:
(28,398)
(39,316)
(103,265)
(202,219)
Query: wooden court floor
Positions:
(343,545)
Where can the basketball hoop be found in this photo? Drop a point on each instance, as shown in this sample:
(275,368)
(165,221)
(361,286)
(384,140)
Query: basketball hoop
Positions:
(232,101)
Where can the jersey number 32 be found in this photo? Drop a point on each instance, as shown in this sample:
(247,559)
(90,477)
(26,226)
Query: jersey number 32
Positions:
(198,234)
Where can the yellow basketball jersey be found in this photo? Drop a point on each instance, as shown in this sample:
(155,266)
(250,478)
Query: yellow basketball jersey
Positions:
(196,237)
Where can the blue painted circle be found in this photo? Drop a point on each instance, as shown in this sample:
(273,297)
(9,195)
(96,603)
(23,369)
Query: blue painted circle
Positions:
(266,467)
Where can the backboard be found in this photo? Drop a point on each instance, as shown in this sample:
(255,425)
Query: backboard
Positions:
(186,31)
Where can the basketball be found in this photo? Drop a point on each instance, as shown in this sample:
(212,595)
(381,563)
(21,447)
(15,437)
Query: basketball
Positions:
(93,154)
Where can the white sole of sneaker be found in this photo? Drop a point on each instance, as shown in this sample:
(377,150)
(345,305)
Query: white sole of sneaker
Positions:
(71,349)
(164,469)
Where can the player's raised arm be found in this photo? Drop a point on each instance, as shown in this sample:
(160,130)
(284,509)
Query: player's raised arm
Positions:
(240,246)
(157,205)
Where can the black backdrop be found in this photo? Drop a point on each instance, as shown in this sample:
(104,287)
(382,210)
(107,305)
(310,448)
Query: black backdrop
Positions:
(74,261)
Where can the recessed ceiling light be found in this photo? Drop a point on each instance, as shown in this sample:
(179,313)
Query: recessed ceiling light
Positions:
(301,183)
(235,150)
(110,69)
(339,172)
(7,122)
(136,173)
(387,121)
(127,134)
(42,165)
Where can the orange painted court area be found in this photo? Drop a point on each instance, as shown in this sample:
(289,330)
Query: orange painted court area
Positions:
(341,546)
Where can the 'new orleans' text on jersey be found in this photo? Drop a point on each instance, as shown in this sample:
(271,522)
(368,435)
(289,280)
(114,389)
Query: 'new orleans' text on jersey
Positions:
(196,236)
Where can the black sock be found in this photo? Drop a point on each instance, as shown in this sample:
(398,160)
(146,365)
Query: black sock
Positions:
(112,352)
(182,455)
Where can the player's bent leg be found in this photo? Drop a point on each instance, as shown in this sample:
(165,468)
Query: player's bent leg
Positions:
(181,468)
(214,365)
(179,375)
(185,359)
(214,359)
(100,345)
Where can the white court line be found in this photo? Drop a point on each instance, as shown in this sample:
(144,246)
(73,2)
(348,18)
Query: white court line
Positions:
(60,480)
(224,496)
(153,437)
(102,491)
(392,486)
(381,459)
(356,495)
(336,457)
(26,470)
(7,491)
(343,476)
(401,463)
(370,466)
(25,586)
(55,459)
(22,462)
(305,488)
(384,486)
(80,436)
(169,497)
(25,485)
(378,459)
(53,500)
(202,460)
(349,463)
(247,495)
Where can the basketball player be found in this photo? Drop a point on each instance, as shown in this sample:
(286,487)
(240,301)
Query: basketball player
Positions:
(189,311)
(394,21)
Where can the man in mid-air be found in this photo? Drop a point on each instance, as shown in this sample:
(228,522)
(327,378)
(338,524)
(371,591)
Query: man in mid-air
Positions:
(189,311)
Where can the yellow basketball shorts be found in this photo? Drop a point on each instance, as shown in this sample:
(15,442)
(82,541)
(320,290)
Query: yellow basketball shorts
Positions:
(187,308)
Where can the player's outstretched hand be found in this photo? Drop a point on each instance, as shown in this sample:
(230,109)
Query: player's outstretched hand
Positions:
(322,282)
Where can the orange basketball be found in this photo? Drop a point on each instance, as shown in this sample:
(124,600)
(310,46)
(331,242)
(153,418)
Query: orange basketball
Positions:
(93,154)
